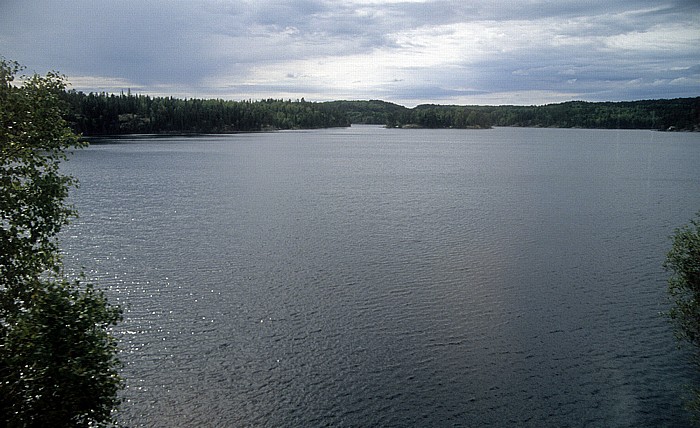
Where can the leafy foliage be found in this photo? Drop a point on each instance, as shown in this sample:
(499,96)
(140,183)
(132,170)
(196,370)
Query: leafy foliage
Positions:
(683,261)
(57,359)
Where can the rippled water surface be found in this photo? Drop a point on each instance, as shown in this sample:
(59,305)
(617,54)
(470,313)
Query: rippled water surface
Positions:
(375,277)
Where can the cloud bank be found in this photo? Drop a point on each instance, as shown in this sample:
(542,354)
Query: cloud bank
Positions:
(404,51)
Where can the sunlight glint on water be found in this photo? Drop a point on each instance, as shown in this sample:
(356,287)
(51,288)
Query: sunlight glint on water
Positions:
(375,277)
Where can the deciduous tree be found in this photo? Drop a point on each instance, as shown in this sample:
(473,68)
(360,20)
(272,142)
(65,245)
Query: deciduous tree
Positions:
(683,261)
(58,360)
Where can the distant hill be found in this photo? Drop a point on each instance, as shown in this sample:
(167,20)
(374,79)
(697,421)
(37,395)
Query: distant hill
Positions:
(681,114)
(373,112)
(105,114)
(673,114)
(109,114)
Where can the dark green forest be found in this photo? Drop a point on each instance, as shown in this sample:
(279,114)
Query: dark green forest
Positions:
(110,114)
(682,114)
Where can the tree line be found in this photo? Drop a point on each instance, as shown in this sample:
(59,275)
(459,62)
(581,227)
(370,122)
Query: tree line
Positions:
(682,114)
(672,114)
(111,114)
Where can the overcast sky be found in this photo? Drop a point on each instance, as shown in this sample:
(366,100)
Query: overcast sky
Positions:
(404,51)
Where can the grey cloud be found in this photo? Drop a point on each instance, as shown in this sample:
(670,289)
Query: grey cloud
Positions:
(160,43)
(135,40)
(452,11)
(435,92)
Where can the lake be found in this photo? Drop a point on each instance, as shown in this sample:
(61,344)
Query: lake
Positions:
(384,277)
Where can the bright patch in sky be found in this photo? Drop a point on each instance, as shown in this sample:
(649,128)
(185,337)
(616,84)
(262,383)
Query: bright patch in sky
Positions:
(404,51)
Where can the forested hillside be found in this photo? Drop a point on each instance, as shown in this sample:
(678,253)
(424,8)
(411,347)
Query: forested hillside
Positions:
(105,114)
(373,112)
(675,114)
(682,114)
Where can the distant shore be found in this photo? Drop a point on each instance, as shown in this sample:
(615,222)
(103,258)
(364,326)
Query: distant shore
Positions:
(108,115)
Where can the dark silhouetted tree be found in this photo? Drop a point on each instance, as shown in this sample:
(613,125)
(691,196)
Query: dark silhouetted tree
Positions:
(58,364)
(683,261)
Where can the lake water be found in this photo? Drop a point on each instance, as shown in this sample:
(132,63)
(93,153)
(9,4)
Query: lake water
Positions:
(382,277)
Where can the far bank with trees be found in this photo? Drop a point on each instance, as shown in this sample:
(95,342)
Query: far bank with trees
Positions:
(111,114)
